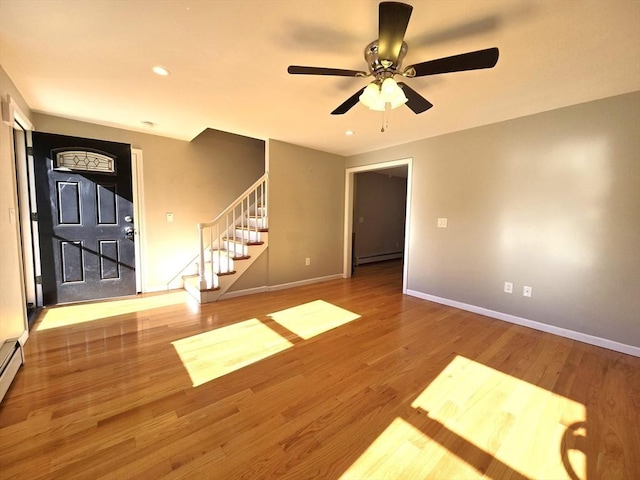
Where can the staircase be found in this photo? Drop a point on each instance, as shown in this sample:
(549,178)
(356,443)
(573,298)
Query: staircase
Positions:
(229,244)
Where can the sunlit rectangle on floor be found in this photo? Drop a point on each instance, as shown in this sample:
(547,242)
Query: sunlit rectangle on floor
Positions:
(67,315)
(403,451)
(313,318)
(211,355)
(523,426)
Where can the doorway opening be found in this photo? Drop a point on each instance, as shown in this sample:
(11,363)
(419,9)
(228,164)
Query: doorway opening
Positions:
(377,213)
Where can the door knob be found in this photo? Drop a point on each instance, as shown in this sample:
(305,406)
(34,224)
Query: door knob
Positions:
(128,233)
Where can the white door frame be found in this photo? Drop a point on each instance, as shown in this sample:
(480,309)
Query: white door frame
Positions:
(138,218)
(18,121)
(348,213)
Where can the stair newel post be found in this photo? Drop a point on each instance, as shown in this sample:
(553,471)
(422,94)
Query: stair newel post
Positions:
(201,275)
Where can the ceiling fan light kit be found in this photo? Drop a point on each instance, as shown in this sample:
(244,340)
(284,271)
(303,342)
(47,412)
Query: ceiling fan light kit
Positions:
(384,59)
(388,95)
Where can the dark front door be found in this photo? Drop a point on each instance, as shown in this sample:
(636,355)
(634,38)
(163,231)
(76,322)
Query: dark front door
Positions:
(85,218)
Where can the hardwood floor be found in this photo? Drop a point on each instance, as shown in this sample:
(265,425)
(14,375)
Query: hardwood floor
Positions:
(344,379)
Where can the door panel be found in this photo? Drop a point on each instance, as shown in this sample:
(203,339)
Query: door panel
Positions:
(84,197)
(106,201)
(68,203)
(72,261)
(109,260)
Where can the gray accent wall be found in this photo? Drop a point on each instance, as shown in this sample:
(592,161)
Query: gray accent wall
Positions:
(550,201)
(306,210)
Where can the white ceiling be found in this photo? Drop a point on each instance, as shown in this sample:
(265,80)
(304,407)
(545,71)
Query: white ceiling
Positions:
(91,60)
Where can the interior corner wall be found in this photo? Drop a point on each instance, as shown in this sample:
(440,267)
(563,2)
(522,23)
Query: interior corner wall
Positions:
(193,180)
(12,295)
(550,201)
(379,214)
(306,210)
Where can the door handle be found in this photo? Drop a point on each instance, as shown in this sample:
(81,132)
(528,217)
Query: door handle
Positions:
(128,233)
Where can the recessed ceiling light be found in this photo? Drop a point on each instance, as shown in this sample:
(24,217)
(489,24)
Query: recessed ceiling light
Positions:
(159,70)
(349,132)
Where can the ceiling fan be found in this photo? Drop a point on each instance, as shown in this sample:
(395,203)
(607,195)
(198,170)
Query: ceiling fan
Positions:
(384,58)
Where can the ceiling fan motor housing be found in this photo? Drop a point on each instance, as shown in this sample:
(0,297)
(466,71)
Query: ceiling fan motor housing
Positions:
(382,68)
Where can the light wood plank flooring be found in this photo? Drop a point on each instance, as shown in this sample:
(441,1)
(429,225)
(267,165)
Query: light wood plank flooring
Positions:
(347,379)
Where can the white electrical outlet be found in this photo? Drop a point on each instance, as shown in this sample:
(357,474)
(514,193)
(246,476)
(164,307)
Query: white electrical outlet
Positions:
(307,261)
(442,223)
(526,291)
(508,287)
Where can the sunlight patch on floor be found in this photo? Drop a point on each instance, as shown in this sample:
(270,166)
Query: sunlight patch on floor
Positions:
(516,422)
(403,451)
(476,422)
(313,318)
(66,315)
(211,355)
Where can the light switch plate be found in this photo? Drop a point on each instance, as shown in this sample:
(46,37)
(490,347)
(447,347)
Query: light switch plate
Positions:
(169,217)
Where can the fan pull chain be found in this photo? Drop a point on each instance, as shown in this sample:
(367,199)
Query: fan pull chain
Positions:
(385,117)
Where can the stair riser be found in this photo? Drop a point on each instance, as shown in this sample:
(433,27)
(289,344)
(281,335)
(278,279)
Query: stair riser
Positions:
(248,235)
(237,249)
(257,222)
(223,265)
(212,282)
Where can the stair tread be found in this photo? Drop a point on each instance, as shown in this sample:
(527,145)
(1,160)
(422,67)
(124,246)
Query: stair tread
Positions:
(251,229)
(222,274)
(242,241)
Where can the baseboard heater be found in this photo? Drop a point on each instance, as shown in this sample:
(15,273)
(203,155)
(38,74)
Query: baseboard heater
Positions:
(378,257)
(11,358)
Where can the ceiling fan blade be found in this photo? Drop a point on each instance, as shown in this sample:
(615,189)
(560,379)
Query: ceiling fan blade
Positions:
(457,63)
(393,18)
(348,103)
(415,101)
(298,70)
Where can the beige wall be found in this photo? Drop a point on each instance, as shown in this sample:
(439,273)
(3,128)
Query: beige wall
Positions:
(380,202)
(193,180)
(306,198)
(551,201)
(12,296)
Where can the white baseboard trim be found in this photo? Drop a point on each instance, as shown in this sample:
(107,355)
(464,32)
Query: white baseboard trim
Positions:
(242,293)
(380,257)
(282,286)
(159,288)
(301,283)
(562,332)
